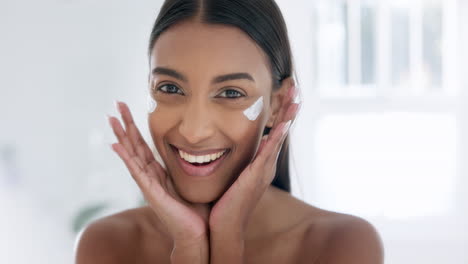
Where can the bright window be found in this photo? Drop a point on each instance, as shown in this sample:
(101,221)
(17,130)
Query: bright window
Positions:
(387,82)
(396,165)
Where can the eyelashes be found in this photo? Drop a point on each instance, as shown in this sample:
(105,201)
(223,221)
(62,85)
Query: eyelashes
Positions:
(232,92)
(173,89)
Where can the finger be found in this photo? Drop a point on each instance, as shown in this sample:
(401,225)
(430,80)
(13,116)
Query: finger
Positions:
(290,116)
(259,173)
(154,168)
(161,202)
(121,135)
(149,185)
(273,158)
(140,146)
(285,104)
(262,145)
(133,132)
(130,161)
(267,147)
(251,178)
(291,113)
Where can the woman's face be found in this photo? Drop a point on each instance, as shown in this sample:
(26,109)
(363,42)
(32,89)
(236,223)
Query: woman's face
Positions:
(198,111)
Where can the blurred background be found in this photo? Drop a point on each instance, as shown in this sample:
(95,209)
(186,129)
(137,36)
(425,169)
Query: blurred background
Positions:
(383,131)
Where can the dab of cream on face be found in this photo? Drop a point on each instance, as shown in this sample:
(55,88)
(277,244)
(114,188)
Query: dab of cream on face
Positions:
(254,110)
(152,104)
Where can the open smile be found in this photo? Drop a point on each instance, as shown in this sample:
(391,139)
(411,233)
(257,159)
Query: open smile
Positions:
(200,164)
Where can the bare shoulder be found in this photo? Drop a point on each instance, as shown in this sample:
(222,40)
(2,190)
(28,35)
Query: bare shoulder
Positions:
(111,239)
(327,236)
(344,238)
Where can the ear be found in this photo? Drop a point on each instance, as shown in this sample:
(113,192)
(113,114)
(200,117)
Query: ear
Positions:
(277,97)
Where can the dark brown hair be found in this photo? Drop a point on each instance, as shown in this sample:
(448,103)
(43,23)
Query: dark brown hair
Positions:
(262,21)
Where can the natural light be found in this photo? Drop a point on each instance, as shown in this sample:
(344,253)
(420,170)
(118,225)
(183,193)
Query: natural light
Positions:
(383,160)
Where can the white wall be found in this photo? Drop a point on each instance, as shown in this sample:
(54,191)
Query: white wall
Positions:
(62,64)
(463,109)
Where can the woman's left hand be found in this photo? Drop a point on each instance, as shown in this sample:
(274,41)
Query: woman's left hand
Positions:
(229,216)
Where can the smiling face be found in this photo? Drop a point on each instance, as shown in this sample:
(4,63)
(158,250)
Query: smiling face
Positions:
(203,77)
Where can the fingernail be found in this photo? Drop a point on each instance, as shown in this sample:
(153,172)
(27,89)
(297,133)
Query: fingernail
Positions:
(286,127)
(108,118)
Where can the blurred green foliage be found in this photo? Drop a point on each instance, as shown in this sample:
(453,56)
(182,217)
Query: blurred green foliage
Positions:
(86,214)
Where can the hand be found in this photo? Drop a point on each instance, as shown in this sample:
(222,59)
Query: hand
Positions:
(183,221)
(231,213)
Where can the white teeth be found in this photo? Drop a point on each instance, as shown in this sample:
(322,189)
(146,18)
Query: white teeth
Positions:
(200,159)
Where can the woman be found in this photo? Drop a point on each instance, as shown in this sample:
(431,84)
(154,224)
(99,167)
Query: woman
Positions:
(222,100)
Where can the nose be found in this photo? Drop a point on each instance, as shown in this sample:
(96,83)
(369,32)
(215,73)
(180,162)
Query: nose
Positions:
(197,123)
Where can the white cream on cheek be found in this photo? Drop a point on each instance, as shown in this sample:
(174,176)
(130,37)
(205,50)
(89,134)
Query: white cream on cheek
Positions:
(152,104)
(254,110)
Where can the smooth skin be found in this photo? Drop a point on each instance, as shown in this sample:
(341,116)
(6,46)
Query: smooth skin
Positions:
(234,215)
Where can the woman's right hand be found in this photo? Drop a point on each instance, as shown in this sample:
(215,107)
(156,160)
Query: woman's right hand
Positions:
(186,223)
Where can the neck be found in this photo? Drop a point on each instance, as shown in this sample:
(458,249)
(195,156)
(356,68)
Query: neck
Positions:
(264,219)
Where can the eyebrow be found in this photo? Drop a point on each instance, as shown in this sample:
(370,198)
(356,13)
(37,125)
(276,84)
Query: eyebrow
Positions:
(217,79)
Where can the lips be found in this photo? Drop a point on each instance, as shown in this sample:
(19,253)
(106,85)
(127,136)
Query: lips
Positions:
(199,169)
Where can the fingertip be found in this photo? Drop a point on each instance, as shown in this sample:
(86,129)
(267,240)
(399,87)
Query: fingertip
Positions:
(117,104)
(120,150)
(114,120)
(108,119)
(116,147)
(112,146)
(122,104)
(125,106)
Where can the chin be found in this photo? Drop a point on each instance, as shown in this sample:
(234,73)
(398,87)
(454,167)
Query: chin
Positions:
(203,191)
(200,193)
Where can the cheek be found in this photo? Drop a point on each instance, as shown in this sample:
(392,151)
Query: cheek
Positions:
(239,128)
(234,126)
(160,122)
(244,133)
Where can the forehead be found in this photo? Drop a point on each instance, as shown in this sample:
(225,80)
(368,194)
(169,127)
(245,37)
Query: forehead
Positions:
(205,50)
